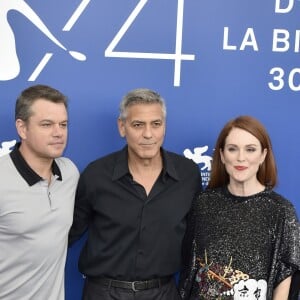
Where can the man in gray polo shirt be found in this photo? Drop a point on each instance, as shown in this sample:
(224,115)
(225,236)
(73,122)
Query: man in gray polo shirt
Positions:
(37,189)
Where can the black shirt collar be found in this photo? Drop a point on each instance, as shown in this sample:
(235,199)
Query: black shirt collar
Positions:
(121,166)
(24,169)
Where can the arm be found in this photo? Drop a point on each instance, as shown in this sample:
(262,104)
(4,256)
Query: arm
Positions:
(289,255)
(295,286)
(82,212)
(281,292)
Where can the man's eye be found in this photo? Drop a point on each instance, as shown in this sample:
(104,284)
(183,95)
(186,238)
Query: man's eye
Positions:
(63,125)
(46,125)
(157,124)
(137,125)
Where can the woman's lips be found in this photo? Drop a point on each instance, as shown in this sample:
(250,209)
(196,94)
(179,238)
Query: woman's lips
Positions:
(240,168)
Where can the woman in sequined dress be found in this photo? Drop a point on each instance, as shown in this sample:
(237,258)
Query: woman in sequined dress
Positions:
(243,238)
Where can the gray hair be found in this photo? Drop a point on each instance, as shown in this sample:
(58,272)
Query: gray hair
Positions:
(141,96)
(30,95)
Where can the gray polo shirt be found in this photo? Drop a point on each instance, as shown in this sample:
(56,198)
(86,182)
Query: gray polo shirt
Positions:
(34,222)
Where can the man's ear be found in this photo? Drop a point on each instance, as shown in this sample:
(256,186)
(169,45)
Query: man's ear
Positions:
(21,128)
(121,127)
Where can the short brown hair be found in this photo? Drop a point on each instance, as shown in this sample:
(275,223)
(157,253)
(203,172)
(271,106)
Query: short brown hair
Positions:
(33,93)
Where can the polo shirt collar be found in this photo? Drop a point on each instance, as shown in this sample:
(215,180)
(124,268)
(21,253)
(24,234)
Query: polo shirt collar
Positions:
(121,165)
(26,172)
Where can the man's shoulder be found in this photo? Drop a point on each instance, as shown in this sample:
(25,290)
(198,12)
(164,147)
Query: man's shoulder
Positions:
(66,165)
(180,160)
(5,161)
(106,160)
(65,162)
(4,157)
(184,168)
(6,167)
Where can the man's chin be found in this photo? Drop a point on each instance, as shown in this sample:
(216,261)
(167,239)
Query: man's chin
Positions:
(56,154)
(149,154)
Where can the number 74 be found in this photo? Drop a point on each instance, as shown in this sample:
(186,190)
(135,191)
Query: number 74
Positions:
(178,57)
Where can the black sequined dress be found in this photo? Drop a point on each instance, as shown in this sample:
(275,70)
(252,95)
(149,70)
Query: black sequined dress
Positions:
(239,247)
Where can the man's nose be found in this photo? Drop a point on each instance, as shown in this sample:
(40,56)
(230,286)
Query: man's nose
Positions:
(147,132)
(58,130)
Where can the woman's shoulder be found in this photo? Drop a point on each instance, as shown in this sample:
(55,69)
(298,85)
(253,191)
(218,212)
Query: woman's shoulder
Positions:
(208,197)
(282,203)
(212,193)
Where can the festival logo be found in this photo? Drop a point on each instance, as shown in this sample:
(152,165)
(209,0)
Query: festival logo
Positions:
(6,147)
(10,64)
(202,159)
(9,61)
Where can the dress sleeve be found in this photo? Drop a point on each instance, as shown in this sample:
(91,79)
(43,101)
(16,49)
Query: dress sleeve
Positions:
(289,248)
(188,270)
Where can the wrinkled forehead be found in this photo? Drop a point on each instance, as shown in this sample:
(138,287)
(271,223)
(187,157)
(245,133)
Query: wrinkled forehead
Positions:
(145,111)
(45,109)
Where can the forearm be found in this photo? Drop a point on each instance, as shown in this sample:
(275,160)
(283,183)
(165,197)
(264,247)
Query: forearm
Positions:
(281,292)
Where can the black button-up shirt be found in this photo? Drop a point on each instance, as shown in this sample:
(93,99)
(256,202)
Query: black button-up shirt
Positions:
(132,236)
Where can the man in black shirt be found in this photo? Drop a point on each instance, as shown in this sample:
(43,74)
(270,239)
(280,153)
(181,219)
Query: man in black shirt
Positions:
(134,204)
